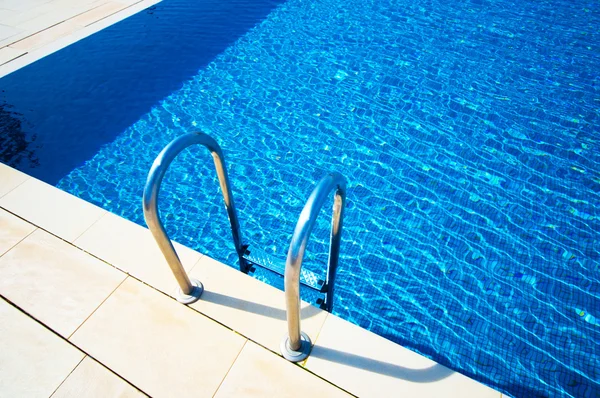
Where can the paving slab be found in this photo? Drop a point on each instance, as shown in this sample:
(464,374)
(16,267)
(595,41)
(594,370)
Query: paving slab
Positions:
(54,210)
(33,360)
(7,54)
(92,380)
(159,345)
(98,13)
(249,306)
(368,365)
(132,249)
(12,230)
(10,179)
(45,36)
(55,282)
(259,373)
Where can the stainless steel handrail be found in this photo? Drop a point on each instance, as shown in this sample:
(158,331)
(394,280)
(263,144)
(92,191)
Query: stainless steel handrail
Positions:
(190,289)
(296,346)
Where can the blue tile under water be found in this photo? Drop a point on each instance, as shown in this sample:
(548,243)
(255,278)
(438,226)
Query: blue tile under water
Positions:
(468,132)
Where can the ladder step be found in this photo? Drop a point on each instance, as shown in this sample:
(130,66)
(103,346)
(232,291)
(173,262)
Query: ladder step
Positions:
(257,257)
(307,293)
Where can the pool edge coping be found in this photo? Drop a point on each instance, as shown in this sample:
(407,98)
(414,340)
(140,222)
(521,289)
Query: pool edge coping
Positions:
(55,230)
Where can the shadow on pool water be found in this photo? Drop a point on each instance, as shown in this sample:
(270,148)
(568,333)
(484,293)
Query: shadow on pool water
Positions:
(64,107)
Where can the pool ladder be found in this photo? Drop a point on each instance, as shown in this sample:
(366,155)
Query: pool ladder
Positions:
(296,345)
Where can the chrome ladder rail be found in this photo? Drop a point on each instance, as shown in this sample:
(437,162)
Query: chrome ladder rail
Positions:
(296,346)
(190,290)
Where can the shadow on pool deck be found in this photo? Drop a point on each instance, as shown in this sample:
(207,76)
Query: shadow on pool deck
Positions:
(426,375)
(72,102)
(256,308)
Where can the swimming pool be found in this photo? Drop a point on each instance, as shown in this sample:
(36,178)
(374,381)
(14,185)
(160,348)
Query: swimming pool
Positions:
(468,133)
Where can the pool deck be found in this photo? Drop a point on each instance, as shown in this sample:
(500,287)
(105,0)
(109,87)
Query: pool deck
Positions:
(86,297)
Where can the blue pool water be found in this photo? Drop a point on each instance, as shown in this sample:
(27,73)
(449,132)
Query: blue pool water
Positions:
(468,131)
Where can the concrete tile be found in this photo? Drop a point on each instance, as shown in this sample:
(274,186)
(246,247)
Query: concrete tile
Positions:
(7,31)
(34,10)
(21,5)
(51,209)
(7,54)
(10,179)
(72,3)
(48,12)
(51,14)
(133,7)
(249,306)
(15,38)
(12,230)
(128,2)
(98,13)
(55,282)
(368,365)
(7,16)
(92,380)
(162,347)
(132,249)
(34,361)
(259,373)
(45,36)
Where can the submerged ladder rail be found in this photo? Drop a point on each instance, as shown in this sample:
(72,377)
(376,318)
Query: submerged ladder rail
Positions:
(190,289)
(296,345)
